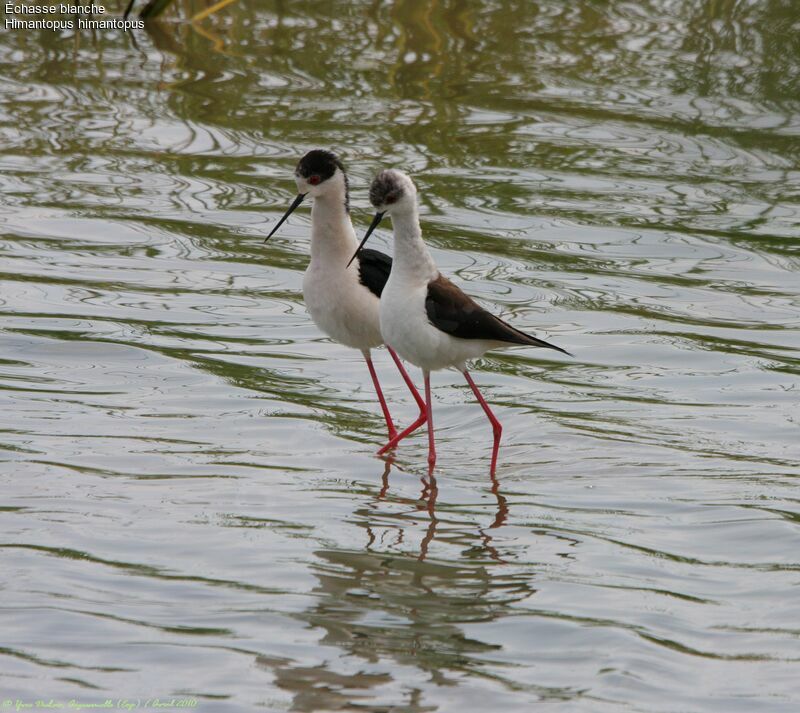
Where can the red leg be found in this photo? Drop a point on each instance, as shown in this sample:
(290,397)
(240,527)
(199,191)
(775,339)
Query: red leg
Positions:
(384,407)
(429,414)
(496,427)
(413,389)
(407,379)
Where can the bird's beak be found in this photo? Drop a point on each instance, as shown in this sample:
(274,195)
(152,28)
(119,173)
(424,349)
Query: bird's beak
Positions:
(375,221)
(296,202)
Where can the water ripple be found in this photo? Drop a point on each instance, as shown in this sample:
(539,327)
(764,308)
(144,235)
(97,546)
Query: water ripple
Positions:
(191,494)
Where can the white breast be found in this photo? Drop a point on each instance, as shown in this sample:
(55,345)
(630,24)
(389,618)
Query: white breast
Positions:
(341,306)
(406,328)
(404,317)
(338,303)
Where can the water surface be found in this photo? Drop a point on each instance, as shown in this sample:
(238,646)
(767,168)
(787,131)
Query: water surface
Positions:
(191,501)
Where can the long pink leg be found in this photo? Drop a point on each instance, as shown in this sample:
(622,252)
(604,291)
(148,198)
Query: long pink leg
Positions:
(413,389)
(384,407)
(429,414)
(496,427)
(407,379)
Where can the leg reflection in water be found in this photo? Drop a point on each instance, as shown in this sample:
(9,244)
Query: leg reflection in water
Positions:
(500,519)
(393,518)
(430,492)
(429,569)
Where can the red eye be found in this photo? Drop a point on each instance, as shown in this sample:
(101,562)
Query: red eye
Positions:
(313,180)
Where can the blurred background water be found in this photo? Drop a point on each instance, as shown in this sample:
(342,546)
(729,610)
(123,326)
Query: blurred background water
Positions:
(191,504)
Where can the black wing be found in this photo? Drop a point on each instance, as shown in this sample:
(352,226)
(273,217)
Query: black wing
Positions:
(450,310)
(373,270)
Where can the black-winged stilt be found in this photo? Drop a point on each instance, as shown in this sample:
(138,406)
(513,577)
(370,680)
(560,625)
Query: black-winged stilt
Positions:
(424,316)
(343,299)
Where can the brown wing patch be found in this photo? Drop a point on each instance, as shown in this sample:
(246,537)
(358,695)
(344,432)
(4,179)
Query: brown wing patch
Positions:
(453,312)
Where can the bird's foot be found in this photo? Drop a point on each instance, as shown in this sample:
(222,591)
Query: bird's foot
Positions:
(394,440)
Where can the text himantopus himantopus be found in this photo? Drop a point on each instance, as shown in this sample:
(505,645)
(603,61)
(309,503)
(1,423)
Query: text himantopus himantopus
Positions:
(343,299)
(424,316)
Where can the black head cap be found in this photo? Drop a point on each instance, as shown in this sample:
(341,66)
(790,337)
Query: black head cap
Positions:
(319,163)
(323,164)
(386,188)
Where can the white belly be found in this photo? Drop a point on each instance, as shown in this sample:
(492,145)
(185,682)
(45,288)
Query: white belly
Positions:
(342,307)
(405,327)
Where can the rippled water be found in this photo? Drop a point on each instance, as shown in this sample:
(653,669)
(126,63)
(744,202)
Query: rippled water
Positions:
(191,501)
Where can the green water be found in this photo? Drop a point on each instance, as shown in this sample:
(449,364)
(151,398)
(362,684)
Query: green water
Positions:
(191,504)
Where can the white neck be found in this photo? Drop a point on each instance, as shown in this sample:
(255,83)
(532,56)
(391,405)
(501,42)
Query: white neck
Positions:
(332,236)
(412,260)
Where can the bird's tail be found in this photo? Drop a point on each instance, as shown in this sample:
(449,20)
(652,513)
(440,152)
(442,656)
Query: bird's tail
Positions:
(524,338)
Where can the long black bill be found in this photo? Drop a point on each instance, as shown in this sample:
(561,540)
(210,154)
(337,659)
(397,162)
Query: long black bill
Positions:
(296,202)
(375,221)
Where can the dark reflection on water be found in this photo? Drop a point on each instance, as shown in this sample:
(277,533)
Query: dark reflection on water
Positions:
(192,505)
(386,601)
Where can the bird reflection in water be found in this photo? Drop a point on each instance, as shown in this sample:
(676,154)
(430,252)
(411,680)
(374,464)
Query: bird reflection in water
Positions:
(430,492)
(396,600)
(426,502)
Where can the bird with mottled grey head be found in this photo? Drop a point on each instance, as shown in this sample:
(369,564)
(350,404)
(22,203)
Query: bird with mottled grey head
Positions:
(391,191)
(389,188)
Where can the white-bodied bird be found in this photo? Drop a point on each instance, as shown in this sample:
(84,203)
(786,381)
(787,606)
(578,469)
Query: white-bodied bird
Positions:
(424,316)
(342,298)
